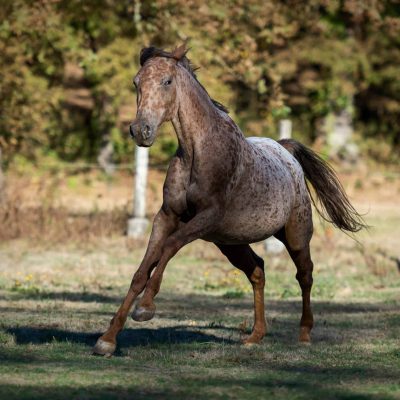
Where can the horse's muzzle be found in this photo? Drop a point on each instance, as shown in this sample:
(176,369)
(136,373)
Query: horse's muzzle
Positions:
(142,132)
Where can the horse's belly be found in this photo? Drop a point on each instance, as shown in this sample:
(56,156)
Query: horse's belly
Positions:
(239,236)
(250,225)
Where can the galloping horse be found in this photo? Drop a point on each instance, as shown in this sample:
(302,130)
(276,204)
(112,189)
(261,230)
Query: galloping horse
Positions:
(224,188)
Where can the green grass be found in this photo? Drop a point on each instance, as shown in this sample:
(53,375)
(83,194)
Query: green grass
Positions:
(56,301)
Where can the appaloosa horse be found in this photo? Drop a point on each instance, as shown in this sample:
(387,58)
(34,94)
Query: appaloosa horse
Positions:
(223,188)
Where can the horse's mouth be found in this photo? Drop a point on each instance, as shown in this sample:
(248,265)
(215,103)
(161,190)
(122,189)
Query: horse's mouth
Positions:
(144,142)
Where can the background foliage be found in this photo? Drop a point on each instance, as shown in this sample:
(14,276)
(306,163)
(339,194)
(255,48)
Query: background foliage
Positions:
(67,65)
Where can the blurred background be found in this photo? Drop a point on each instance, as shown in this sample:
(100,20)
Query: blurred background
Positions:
(66,96)
(67,68)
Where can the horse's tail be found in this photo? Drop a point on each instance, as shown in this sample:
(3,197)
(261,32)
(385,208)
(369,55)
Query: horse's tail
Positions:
(336,206)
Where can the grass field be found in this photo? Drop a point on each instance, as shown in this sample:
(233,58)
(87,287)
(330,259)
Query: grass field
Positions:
(56,299)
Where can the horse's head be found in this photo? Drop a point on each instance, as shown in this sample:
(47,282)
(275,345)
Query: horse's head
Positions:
(156,92)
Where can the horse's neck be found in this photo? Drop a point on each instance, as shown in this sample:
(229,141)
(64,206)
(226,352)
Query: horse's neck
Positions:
(196,120)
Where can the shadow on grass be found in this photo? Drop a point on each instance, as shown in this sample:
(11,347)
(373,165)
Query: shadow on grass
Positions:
(335,322)
(199,302)
(85,297)
(127,338)
(306,376)
(29,312)
(203,306)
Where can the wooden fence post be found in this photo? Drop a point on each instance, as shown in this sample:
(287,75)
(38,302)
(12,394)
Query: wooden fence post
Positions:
(137,225)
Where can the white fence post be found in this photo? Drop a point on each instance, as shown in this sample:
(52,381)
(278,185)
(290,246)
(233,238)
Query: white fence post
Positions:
(285,129)
(273,245)
(137,225)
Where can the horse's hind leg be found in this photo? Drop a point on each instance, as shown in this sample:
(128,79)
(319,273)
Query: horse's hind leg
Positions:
(296,238)
(244,258)
(304,266)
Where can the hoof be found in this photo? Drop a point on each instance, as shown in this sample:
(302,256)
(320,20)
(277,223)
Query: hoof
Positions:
(305,337)
(249,344)
(103,348)
(252,341)
(143,314)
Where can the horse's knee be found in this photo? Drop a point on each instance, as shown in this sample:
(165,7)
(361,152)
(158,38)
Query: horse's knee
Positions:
(171,247)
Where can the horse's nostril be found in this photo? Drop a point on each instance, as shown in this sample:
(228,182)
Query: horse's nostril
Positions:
(146,131)
(132,130)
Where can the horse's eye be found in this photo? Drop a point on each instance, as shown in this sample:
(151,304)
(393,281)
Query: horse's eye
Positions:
(167,82)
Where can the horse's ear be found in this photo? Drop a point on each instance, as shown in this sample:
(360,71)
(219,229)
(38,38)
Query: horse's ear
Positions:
(180,51)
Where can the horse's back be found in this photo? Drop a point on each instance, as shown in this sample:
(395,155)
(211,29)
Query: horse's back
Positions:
(278,155)
(277,163)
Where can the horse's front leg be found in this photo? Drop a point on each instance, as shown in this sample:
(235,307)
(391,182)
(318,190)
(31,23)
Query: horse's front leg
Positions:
(163,226)
(200,225)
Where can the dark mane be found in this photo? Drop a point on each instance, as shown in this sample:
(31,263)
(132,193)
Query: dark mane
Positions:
(148,53)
